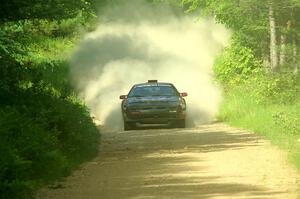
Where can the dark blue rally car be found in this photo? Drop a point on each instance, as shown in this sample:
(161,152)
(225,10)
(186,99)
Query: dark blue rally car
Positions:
(153,104)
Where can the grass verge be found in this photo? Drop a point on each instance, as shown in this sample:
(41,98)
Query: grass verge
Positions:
(279,123)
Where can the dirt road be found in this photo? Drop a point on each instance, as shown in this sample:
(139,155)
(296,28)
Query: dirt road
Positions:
(211,161)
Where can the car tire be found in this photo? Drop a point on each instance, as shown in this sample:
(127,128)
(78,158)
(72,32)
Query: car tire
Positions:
(128,126)
(181,123)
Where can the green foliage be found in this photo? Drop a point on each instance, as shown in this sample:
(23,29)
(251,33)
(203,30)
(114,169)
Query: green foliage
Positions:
(236,64)
(250,23)
(14,10)
(247,19)
(275,88)
(42,137)
(44,130)
(289,120)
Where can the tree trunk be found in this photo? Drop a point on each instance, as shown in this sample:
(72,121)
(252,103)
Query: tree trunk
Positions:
(282,55)
(273,52)
(295,61)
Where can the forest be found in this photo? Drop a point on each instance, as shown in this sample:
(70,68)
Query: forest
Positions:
(46,130)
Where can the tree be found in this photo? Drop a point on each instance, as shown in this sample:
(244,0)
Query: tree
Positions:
(273,51)
(270,28)
(13,10)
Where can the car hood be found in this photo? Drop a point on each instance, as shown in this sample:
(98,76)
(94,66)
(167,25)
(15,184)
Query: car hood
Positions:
(153,100)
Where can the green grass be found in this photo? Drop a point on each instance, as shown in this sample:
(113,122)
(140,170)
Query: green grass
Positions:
(52,48)
(44,49)
(276,122)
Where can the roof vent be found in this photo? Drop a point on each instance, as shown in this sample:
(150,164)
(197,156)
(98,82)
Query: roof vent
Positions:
(152,81)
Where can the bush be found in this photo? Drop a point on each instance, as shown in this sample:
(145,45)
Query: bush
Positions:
(236,64)
(275,88)
(41,139)
(29,153)
(289,120)
(45,131)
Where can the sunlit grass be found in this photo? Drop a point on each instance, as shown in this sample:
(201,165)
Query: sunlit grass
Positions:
(46,48)
(241,110)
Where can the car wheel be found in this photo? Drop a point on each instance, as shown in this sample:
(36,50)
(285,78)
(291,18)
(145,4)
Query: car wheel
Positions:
(181,123)
(128,126)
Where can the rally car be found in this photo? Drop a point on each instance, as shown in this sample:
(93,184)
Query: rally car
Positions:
(153,104)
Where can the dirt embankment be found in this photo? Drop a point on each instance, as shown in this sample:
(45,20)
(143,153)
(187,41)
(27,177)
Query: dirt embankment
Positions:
(212,161)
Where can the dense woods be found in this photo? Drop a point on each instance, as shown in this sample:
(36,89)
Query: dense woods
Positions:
(46,130)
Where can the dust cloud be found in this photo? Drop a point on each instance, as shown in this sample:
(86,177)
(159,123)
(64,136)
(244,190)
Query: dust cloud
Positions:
(135,43)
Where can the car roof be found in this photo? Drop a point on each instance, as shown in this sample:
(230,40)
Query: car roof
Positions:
(153,84)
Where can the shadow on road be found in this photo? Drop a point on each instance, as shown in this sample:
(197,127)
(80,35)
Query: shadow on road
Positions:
(170,163)
(212,161)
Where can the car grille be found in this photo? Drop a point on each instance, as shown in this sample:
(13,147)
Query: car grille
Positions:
(151,108)
(153,112)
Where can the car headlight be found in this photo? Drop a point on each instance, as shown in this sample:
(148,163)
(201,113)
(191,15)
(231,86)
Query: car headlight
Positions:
(173,109)
(182,105)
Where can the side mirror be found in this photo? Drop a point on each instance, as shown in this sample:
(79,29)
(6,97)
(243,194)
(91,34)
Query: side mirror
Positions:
(184,94)
(122,97)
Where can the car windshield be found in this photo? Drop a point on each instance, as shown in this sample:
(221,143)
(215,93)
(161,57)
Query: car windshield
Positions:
(145,91)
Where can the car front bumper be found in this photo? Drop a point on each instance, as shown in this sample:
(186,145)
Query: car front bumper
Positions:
(152,117)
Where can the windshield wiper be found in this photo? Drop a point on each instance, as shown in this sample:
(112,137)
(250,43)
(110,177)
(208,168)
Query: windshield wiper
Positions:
(137,96)
(162,95)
